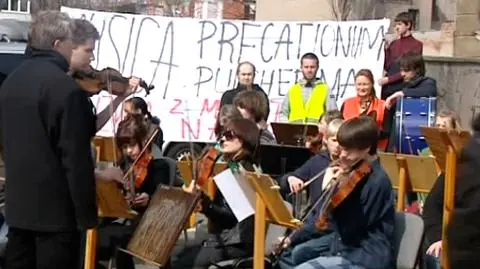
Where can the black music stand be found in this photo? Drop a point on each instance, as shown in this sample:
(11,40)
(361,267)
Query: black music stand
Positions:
(280,159)
(293,134)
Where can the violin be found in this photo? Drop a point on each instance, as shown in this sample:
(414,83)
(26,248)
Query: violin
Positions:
(340,193)
(206,164)
(140,169)
(94,81)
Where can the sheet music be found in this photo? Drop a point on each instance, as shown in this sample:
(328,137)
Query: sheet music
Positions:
(238,193)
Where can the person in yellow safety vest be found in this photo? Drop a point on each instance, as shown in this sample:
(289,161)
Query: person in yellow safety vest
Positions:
(309,98)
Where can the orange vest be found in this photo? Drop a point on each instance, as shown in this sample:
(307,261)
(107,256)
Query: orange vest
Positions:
(351,109)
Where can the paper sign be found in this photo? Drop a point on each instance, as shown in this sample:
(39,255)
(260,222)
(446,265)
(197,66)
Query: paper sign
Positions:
(196,60)
(238,193)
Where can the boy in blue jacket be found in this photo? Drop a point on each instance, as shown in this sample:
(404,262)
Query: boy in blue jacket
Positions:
(360,231)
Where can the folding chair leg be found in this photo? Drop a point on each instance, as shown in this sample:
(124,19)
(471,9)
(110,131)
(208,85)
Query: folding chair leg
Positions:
(110,263)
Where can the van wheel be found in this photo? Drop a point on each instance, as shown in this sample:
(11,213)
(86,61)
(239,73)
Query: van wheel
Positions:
(183,151)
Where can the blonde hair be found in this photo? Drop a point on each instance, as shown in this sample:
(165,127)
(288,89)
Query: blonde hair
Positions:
(452,117)
(332,127)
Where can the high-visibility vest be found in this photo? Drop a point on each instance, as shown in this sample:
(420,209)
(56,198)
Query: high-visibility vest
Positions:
(351,109)
(312,111)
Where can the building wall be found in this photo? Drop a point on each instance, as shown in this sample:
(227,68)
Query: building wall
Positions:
(447,27)
(432,13)
(293,10)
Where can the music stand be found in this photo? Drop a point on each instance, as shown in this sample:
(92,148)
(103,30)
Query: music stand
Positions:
(293,134)
(280,159)
(269,206)
(111,203)
(396,169)
(161,224)
(185,168)
(446,147)
(106,152)
(422,172)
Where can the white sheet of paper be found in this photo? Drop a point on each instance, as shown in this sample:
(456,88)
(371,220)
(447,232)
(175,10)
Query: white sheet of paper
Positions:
(238,193)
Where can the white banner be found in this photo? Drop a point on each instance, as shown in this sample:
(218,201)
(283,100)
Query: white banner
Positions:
(192,62)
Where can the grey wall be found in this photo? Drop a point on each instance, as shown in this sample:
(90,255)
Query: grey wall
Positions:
(458,82)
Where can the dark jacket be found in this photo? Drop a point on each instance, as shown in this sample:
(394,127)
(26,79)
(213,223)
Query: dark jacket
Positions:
(266,137)
(463,232)
(227,230)
(398,48)
(420,87)
(363,224)
(433,211)
(47,123)
(308,170)
(228,96)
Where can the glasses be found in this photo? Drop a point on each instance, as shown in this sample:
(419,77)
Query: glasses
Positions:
(229,135)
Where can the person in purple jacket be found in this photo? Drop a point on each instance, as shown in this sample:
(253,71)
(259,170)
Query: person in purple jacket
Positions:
(392,80)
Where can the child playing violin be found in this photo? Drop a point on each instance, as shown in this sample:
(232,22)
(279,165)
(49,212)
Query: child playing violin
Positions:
(131,137)
(362,216)
(294,182)
(229,238)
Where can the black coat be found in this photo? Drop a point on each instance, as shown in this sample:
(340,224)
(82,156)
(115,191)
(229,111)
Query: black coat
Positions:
(47,123)
(228,96)
(463,232)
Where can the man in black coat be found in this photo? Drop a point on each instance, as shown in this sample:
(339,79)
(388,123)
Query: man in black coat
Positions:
(47,123)
(463,232)
(246,76)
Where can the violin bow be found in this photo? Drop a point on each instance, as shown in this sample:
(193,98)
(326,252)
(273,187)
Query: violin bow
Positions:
(130,181)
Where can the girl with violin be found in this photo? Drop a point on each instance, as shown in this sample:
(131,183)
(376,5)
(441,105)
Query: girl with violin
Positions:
(137,105)
(367,103)
(148,173)
(358,211)
(229,238)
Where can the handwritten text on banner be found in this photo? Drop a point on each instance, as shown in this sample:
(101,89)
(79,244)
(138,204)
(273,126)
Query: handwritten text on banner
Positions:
(192,62)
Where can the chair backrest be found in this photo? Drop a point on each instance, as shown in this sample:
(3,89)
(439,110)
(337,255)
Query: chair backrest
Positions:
(274,232)
(408,239)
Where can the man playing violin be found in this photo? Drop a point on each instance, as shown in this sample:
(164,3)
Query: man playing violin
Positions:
(360,214)
(46,127)
(84,38)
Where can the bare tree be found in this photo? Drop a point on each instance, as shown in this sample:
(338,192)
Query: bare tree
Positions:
(341,9)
